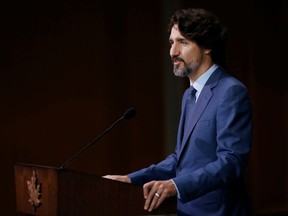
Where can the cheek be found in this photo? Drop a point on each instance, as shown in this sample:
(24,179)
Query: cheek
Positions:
(192,56)
(188,58)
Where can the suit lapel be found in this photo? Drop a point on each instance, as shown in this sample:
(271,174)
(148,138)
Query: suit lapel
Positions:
(200,106)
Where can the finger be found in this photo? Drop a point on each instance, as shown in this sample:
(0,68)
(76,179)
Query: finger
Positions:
(156,201)
(150,202)
(160,200)
(146,189)
(158,195)
(152,193)
(149,199)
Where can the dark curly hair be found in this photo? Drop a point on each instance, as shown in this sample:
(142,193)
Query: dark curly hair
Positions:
(203,28)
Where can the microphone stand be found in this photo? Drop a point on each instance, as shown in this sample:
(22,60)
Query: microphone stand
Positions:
(91,143)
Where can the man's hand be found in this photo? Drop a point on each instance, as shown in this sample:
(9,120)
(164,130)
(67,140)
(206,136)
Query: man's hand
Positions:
(155,192)
(122,178)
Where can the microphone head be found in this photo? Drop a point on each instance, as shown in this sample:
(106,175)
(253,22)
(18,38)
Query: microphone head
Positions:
(130,113)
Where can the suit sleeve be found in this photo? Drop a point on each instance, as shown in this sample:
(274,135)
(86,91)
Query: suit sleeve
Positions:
(162,171)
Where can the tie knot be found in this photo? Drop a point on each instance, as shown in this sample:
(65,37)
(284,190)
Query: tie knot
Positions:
(192,91)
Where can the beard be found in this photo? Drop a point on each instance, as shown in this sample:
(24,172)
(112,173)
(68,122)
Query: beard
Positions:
(186,70)
(182,72)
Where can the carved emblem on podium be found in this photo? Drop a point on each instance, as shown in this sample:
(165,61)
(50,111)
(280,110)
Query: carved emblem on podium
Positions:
(34,191)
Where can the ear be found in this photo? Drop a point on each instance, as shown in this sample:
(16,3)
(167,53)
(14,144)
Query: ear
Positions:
(207,51)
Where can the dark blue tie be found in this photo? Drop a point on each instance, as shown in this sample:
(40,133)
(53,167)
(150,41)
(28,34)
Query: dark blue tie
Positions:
(191,98)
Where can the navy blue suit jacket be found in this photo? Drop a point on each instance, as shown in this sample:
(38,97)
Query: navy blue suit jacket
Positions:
(209,161)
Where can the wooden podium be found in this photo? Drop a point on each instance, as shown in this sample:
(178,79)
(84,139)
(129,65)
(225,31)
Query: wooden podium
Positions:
(50,191)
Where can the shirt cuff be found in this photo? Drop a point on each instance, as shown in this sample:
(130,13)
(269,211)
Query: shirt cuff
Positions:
(178,194)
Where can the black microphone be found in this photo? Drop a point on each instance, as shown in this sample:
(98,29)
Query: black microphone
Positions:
(130,113)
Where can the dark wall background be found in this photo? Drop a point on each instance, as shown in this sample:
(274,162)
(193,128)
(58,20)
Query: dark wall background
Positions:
(69,69)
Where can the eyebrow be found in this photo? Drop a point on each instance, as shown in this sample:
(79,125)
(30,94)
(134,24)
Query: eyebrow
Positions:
(178,39)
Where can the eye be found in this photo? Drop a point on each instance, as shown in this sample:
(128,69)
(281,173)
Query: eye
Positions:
(184,42)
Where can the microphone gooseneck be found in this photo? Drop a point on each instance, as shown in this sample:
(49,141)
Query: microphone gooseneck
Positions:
(130,113)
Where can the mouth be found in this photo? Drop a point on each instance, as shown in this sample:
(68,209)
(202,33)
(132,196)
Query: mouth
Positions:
(177,61)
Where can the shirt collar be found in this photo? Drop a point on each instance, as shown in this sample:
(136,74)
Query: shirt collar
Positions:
(200,82)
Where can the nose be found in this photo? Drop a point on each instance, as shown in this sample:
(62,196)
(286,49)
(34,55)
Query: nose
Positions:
(174,51)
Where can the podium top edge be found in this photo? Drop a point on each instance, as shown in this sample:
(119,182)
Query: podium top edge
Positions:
(36,165)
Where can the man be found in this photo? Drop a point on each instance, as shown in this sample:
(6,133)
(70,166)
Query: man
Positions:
(206,171)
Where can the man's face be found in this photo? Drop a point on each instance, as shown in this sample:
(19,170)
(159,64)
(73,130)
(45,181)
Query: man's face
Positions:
(185,54)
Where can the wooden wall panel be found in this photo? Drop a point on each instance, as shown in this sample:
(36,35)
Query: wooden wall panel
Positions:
(68,71)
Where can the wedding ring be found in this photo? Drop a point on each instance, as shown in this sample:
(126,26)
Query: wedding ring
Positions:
(156,194)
